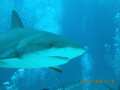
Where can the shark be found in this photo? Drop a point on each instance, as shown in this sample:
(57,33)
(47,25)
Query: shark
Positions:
(30,48)
(110,88)
(70,86)
(73,86)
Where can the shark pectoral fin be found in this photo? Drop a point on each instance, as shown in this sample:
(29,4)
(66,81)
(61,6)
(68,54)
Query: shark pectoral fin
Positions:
(16,22)
(56,68)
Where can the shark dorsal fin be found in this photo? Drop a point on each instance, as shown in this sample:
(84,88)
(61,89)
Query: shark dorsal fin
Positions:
(16,22)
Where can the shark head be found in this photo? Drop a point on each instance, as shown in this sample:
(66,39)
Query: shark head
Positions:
(49,48)
(57,47)
(29,48)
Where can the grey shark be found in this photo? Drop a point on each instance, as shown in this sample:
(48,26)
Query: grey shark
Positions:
(30,48)
(73,86)
(70,86)
(110,88)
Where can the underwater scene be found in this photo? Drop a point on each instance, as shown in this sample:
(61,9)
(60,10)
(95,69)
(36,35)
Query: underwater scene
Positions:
(59,44)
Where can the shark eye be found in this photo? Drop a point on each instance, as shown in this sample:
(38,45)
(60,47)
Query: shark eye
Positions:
(51,45)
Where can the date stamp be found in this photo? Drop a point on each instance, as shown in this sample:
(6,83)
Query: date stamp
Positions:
(97,81)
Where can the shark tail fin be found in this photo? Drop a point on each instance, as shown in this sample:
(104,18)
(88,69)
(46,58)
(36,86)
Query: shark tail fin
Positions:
(16,22)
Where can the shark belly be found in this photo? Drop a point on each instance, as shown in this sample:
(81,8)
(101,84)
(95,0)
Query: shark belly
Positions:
(32,61)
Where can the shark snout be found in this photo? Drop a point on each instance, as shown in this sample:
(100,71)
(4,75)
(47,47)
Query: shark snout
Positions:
(81,50)
(74,52)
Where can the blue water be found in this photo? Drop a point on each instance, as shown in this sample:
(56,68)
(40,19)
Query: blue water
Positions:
(91,23)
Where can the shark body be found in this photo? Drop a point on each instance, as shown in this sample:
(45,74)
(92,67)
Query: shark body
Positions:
(78,86)
(70,86)
(110,88)
(30,48)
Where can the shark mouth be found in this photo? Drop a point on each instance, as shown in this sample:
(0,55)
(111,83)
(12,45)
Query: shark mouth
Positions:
(61,57)
(65,58)
(57,57)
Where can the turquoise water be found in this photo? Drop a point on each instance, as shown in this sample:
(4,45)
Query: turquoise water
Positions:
(93,24)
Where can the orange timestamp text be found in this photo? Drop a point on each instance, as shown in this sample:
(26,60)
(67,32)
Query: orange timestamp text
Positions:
(97,81)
